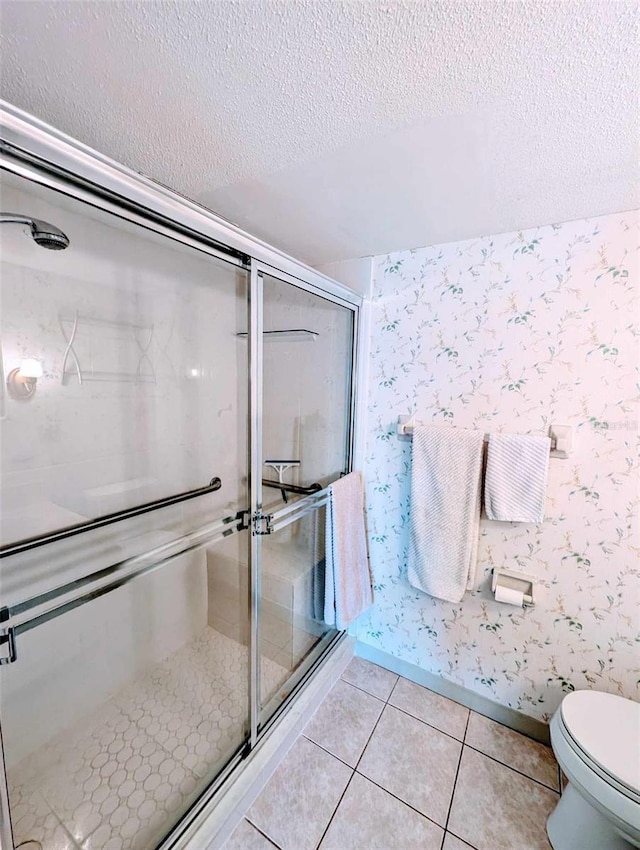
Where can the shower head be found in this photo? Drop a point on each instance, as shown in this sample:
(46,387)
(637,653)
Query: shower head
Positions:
(48,235)
(44,234)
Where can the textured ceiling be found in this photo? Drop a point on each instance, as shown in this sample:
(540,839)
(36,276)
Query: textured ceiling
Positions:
(343,129)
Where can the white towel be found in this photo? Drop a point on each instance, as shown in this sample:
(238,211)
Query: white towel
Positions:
(516,477)
(347,589)
(445,510)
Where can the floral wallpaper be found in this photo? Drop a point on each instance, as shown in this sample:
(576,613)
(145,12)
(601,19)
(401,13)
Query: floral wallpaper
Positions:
(512,333)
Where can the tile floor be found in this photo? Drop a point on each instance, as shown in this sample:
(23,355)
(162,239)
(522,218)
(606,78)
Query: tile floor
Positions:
(385,764)
(120,779)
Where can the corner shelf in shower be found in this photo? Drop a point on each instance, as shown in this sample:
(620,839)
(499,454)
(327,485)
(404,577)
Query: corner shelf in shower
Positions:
(286,335)
(88,340)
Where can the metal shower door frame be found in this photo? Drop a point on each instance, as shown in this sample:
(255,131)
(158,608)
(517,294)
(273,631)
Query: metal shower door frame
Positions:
(256,313)
(39,153)
(287,514)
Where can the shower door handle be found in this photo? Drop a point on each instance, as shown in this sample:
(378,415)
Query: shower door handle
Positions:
(99,522)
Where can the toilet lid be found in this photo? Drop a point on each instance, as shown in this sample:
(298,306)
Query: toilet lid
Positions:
(607,729)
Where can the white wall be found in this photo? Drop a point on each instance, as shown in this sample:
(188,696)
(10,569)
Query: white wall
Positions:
(356,274)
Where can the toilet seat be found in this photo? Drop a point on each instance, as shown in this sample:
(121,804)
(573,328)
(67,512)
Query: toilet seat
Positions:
(606,730)
(600,780)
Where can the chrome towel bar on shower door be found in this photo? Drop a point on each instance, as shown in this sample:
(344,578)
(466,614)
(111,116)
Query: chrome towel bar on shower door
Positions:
(295,489)
(107,519)
(46,605)
(36,610)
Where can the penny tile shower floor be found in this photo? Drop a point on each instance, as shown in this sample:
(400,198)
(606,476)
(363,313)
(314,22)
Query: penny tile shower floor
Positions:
(385,764)
(119,780)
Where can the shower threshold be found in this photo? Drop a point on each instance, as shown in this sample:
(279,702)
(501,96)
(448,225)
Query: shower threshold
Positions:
(124,775)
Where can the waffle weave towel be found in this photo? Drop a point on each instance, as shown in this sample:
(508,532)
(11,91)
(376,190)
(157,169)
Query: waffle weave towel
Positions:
(445,510)
(516,477)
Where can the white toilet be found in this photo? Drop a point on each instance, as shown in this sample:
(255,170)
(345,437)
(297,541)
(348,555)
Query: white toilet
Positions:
(596,740)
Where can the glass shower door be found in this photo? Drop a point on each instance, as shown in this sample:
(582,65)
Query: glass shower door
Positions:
(161,563)
(306,418)
(124,571)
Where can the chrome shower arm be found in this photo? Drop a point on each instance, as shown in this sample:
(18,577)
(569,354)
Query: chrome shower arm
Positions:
(15,218)
(43,233)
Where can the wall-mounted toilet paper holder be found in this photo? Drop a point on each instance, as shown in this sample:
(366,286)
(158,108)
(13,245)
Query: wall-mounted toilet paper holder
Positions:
(513,587)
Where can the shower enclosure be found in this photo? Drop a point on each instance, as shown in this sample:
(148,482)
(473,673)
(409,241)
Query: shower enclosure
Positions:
(175,399)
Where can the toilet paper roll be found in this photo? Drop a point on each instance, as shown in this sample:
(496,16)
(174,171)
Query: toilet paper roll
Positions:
(509,595)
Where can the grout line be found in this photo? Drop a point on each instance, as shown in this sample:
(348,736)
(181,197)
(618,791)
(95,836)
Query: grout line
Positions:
(395,685)
(464,841)
(514,769)
(333,814)
(375,696)
(259,829)
(329,753)
(263,834)
(399,799)
(466,728)
(362,691)
(430,725)
(482,752)
(431,691)
(364,750)
(455,781)
(373,782)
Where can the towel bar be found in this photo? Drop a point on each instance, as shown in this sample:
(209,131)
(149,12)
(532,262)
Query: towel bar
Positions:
(560,435)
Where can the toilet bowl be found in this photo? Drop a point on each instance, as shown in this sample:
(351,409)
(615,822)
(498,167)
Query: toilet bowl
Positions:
(596,740)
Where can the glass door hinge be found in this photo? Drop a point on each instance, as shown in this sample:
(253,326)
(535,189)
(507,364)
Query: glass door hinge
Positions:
(262,524)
